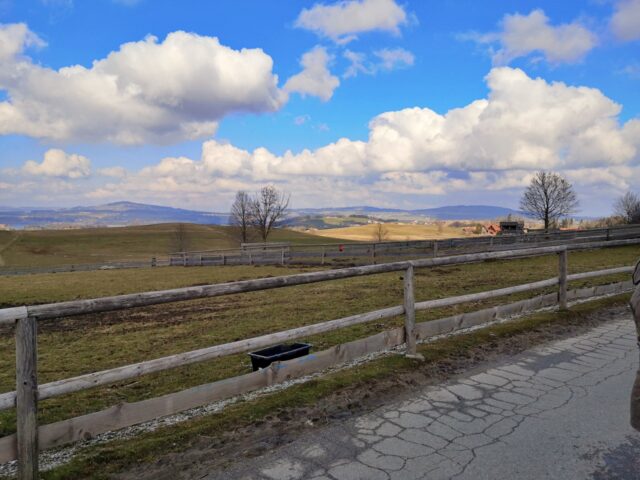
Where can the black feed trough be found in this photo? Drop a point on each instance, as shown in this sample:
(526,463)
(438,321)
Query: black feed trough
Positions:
(265,357)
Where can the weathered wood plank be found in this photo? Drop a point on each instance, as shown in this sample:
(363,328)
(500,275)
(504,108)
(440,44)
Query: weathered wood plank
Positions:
(599,290)
(446,325)
(474,297)
(409,311)
(599,273)
(563,272)
(10,315)
(27,398)
(127,414)
(91,380)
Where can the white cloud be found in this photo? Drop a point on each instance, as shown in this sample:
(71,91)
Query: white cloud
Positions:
(57,163)
(116,172)
(522,35)
(524,124)
(625,21)
(388,60)
(357,64)
(487,149)
(393,58)
(344,20)
(14,38)
(315,79)
(492,144)
(147,91)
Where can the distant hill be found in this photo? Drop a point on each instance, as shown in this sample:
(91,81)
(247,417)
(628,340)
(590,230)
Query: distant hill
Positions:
(111,214)
(130,213)
(468,212)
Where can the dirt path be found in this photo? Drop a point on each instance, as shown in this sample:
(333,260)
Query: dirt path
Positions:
(6,246)
(283,427)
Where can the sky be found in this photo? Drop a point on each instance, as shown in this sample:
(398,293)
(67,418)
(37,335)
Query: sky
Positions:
(389,103)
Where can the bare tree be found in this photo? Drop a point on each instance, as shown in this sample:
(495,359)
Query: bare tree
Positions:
(240,216)
(180,241)
(627,207)
(267,208)
(549,197)
(380,233)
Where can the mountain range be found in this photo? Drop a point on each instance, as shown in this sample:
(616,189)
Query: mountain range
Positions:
(129,213)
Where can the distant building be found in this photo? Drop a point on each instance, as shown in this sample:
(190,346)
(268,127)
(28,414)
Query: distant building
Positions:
(4,226)
(492,229)
(511,228)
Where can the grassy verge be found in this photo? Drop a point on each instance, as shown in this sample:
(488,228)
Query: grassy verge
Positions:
(74,346)
(105,460)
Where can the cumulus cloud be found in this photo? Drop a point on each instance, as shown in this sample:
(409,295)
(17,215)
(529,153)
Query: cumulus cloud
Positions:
(343,21)
(522,35)
(147,91)
(14,38)
(625,22)
(493,144)
(315,79)
(57,163)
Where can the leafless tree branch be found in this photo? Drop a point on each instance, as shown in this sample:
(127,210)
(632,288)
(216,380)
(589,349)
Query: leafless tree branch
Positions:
(549,197)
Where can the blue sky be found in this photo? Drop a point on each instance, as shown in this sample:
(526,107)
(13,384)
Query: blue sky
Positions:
(170,133)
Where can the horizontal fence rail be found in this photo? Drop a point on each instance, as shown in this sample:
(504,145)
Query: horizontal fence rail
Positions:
(24,445)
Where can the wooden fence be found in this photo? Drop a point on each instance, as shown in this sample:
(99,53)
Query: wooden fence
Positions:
(381,252)
(30,437)
(347,253)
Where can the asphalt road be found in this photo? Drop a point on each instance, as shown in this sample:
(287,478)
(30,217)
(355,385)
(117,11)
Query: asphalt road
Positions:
(555,412)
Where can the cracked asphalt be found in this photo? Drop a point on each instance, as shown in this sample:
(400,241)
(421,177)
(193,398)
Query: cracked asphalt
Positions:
(559,411)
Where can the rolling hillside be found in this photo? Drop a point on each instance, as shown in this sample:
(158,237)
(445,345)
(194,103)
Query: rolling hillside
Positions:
(25,248)
(129,213)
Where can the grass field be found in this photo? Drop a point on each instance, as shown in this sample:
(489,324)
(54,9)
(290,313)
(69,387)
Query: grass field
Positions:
(69,347)
(33,248)
(393,231)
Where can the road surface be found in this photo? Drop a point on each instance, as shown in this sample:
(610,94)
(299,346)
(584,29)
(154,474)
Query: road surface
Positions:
(560,411)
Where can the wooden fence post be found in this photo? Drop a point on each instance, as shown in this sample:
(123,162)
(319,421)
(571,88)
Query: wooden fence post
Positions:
(373,254)
(563,263)
(224,259)
(282,261)
(435,248)
(410,315)
(323,255)
(153,261)
(27,398)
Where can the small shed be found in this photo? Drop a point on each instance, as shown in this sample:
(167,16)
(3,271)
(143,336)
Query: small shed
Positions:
(511,228)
